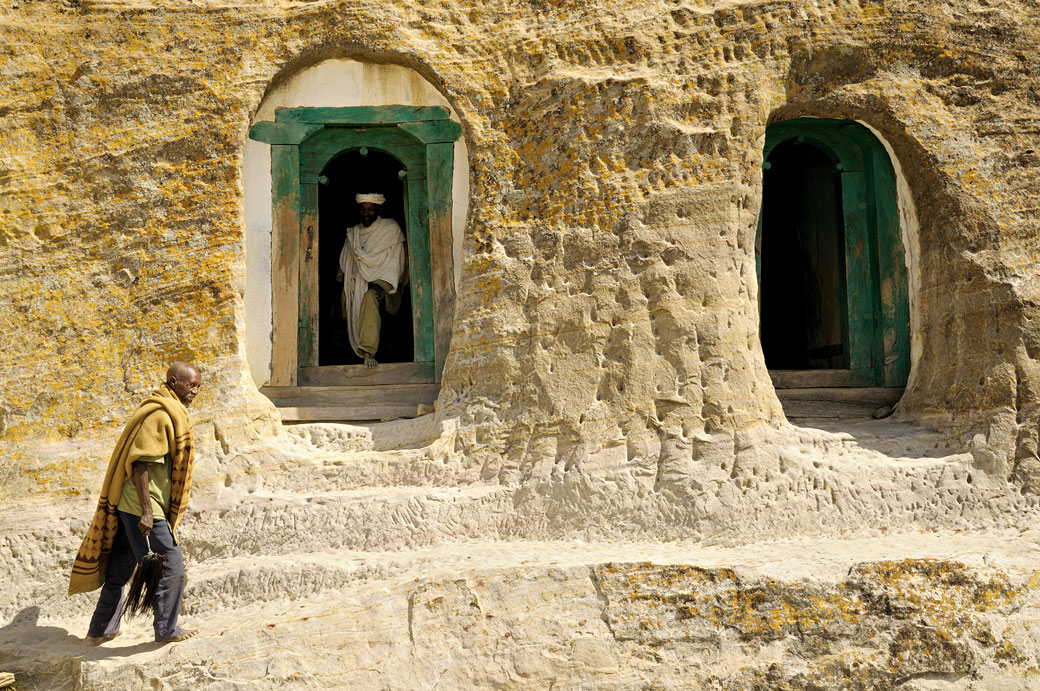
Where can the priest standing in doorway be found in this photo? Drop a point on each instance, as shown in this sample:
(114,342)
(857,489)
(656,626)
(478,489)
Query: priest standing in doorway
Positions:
(372,266)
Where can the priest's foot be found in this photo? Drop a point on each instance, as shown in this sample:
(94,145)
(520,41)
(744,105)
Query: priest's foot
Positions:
(369,360)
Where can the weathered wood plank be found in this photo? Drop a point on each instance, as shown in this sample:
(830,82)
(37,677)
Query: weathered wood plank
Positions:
(309,307)
(285,239)
(303,396)
(419,263)
(820,378)
(347,413)
(282,133)
(434,132)
(362,115)
(441,159)
(383,373)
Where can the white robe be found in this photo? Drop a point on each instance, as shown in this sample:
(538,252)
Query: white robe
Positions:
(370,254)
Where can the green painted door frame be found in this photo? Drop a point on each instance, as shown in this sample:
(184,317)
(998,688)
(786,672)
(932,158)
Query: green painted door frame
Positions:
(877,323)
(303,141)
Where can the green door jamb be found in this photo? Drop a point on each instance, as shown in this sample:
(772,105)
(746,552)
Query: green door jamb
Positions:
(315,154)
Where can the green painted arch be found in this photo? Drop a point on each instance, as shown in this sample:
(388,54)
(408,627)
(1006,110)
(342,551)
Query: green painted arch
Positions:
(833,142)
(317,151)
(877,329)
(369,149)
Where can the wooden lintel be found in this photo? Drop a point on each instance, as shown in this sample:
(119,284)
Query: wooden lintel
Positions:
(362,115)
(283,132)
(434,132)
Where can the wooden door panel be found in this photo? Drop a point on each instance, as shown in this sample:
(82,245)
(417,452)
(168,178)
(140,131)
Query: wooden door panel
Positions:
(285,253)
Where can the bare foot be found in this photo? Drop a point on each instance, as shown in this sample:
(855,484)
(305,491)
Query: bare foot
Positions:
(98,640)
(181,635)
(370,361)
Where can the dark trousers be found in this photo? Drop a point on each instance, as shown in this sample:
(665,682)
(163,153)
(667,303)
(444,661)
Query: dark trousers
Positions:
(129,548)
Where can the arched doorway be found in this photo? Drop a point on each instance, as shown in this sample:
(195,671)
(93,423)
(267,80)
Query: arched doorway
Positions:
(833,297)
(320,158)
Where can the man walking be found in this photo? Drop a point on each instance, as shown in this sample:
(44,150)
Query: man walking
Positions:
(144,495)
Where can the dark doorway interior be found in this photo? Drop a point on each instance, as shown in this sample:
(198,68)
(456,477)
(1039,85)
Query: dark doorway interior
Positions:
(803,292)
(349,174)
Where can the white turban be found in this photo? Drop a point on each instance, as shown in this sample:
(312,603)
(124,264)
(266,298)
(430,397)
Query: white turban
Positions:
(370,198)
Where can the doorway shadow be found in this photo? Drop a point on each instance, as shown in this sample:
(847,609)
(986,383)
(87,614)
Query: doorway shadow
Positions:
(892,437)
(348,174)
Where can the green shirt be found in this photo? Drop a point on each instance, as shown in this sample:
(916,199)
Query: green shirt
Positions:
(159,468)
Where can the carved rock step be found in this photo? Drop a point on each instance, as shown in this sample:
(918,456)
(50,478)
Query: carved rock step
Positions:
(39,555)
(802,613)
(369,518)
(321,469)
(373,436)
(836,403)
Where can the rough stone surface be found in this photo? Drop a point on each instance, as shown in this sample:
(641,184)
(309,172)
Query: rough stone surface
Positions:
(605,381)
(789,614)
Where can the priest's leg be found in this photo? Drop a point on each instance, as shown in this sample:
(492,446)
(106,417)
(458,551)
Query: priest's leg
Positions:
(369,325)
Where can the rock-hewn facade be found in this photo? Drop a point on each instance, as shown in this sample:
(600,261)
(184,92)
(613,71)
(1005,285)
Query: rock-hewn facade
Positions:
(605,378)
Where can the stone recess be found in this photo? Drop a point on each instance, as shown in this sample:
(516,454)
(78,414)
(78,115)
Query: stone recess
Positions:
(605,381)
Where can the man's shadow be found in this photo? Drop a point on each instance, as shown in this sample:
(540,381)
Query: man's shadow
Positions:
(25,638)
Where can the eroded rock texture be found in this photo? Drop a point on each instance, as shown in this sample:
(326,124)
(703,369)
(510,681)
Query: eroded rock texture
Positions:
(608,273)
(605,379)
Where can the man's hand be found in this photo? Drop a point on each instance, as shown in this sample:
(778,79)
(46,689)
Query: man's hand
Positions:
(141,484)
(145,524)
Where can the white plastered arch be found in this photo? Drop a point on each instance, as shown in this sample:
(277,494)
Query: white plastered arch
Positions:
(332,83)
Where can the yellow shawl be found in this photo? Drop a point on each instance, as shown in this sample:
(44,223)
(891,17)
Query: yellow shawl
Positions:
(173,434)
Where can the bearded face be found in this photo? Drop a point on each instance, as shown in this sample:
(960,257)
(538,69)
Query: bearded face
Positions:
(369,213)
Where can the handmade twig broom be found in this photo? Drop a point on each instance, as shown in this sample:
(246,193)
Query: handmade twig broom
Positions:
(146,578)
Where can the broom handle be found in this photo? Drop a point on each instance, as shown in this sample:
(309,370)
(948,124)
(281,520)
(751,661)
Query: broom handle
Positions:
(148,542)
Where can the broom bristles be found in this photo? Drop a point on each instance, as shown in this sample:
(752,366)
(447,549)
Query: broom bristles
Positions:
(144,585)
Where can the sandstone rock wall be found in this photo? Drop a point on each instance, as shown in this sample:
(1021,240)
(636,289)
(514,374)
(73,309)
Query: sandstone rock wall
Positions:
(605,390)
(607,306)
